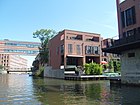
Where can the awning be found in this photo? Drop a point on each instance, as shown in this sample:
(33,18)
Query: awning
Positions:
(80,56)
(104,62)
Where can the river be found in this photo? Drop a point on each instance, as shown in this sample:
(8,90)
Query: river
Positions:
(22,89)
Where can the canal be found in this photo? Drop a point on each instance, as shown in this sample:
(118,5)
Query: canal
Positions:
(22,89)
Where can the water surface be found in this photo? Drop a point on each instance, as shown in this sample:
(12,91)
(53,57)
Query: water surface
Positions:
(22,89)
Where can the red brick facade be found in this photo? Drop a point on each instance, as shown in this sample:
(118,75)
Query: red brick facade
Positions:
(128,17)
(74,48)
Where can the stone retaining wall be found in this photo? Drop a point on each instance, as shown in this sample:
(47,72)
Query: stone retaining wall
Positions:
(53,73)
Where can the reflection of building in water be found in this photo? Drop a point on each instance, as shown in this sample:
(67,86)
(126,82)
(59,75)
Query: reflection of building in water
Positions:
(9,61)
(78,93)
(3,81)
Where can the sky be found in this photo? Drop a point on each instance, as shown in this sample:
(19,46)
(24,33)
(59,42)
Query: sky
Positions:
(20,18)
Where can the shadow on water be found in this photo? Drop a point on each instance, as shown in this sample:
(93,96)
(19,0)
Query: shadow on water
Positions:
(127,95)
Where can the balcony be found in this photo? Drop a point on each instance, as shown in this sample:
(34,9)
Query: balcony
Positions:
(75,37)
(94,39)
(120,45)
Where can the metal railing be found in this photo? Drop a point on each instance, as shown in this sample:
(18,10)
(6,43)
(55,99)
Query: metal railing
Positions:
(127,40)
(19,69)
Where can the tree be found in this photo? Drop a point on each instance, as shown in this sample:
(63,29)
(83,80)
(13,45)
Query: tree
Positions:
(44,35)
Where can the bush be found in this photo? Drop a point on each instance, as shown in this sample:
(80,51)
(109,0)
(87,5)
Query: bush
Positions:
(40,72)
(98,69)
(87,69)
(93,69)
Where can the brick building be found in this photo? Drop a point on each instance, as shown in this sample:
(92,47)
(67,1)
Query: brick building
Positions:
(76,48)
(128,44)
(105,43)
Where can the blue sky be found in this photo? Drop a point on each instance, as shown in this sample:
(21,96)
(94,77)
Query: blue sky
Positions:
(20,18)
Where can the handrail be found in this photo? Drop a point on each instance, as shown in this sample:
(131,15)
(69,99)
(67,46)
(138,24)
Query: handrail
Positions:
(127,40)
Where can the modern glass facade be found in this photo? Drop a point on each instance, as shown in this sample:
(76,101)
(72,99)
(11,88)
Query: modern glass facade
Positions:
(22,44)
(19,47)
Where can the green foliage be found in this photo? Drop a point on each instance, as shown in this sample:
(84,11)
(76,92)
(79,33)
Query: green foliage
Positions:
(93,69)
(110,65)
(40,72)
(118,66)
(98,69)
(87,69)
(114,66)
(44,35)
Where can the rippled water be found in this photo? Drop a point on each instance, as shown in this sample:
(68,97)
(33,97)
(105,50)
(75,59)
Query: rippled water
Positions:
(24,90)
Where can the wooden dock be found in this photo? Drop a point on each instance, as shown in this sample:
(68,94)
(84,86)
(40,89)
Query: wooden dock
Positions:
(85,77)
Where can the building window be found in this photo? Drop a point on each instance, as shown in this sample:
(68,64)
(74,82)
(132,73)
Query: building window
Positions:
(78,49)
(123,19)
(131,32)
(22,51)
(128,17)
(92,50)
(74,36)
(88,49)
(96,39)
(62,49)
(96,50)
(104,54)
(105,59)
(69,48)
(131,55)
(67,37)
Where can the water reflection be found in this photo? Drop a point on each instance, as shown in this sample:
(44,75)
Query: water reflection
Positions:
(25,90)
(73,92)
(16,90)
